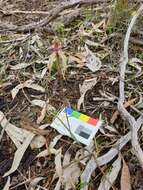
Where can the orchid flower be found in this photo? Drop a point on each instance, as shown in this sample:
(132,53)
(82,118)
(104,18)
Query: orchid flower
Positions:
(57,60)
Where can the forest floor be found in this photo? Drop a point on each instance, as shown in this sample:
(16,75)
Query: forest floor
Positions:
(30,96)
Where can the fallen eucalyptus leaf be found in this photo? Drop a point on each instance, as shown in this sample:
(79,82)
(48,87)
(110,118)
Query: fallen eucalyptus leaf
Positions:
(134,62)
(54,141)
(102,160)
(58,164)
(20,66)
(95,44)
(125,177)
(70,174)
(19,154)
(50,149)
(110,128)
(16,134)
(92,62)
(108,180)
(43,73)
(58,185)
(35,182)
(26,84)
(38,142)
(46,107)
(39,103)
(43,114)
(87,85)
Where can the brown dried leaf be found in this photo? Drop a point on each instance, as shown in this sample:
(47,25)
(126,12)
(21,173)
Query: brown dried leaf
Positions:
(43,114)
(32,127)
(79,59)
(125,177)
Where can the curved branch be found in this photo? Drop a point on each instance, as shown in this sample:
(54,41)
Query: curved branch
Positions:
(125,57)
(124,113)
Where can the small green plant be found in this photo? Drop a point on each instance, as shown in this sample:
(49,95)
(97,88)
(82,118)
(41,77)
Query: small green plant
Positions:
(140,56)
(109,30)
(82,185)
(59,28)
(119,15)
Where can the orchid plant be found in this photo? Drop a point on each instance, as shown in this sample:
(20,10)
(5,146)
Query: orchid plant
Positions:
(57,60)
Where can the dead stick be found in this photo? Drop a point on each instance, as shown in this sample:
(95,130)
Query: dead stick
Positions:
(133,123)
(23,12)
(52,15)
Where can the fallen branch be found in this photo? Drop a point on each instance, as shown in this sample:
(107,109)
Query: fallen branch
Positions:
(52,15)
(133,123)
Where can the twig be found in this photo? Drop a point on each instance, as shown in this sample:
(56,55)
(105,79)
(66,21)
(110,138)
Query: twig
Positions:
(23,12)
(124,113)
(52,15)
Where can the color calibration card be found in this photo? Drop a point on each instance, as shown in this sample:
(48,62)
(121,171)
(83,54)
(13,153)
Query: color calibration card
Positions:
(76,125)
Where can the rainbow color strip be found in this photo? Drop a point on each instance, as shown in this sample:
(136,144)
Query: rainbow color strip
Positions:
(70,112)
